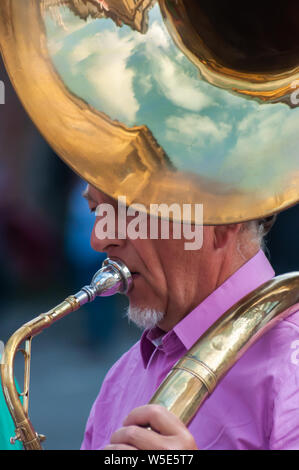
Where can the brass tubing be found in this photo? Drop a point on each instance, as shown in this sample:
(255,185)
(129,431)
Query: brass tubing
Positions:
(113,277)
(24,428)
(196,375)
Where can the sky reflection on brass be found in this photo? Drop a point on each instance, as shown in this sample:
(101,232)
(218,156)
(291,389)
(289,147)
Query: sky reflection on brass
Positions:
(148,127)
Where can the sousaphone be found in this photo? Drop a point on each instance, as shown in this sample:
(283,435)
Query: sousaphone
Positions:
(167,101)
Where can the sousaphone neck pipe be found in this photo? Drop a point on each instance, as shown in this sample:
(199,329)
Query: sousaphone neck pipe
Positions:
(194,377)
(114,277)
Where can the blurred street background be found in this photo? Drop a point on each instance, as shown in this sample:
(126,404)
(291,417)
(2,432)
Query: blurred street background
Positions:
(45,256)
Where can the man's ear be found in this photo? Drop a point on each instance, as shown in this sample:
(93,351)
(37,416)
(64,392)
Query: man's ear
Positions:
(223,234)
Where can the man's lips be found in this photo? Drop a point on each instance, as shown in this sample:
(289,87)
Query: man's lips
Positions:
(135,275)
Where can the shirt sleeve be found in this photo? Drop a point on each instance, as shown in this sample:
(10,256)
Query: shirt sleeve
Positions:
(285,399)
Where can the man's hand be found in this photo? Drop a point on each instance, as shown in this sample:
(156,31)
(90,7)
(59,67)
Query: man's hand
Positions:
(167,431)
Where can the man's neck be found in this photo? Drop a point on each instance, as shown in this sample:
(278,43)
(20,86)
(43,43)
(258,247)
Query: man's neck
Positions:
(223,269)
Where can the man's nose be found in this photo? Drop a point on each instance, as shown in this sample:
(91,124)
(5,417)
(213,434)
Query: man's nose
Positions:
(104,239)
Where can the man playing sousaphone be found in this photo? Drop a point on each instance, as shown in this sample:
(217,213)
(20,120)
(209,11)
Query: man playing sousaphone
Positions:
(174,104)
(177,295)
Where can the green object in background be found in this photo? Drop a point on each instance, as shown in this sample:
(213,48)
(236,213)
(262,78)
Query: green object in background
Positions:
(7,428)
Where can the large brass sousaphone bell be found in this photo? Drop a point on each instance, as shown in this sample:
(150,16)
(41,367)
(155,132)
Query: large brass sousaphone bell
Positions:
(167,101)
(214,120)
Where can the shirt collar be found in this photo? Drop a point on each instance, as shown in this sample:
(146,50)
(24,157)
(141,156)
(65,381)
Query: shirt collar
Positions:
(251,275)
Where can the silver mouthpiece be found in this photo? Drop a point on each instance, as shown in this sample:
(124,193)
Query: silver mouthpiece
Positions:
(114,277)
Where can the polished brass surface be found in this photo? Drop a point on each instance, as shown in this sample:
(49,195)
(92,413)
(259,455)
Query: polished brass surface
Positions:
(195,376)
(138,115)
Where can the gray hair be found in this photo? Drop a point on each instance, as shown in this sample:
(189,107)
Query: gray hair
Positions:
(254,232)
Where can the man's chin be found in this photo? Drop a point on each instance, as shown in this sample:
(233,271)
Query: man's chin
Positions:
(144,317)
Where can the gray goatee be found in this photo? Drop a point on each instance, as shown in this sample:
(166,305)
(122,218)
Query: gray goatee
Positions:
(145,318)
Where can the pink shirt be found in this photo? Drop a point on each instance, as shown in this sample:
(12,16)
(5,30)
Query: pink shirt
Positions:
(256,406)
